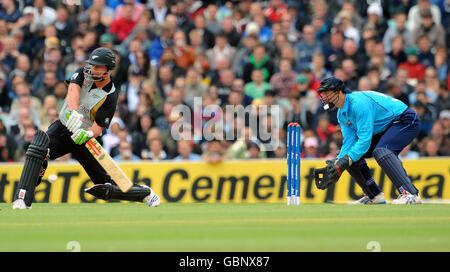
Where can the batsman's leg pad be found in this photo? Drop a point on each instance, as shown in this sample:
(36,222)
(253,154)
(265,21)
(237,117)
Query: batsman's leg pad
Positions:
(109,191)
(36,154)
(394,169)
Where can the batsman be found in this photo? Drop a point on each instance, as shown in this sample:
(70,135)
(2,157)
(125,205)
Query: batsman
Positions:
(88,108)
(373,125)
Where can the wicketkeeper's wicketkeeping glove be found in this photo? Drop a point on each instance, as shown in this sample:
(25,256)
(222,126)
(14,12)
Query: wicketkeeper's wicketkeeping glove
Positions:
(81,136)
(330,174)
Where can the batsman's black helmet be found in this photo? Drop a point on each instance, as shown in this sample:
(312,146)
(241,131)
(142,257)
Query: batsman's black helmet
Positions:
(332,84)
(103,56)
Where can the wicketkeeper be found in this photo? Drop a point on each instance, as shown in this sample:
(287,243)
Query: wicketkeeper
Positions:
(372,124)
(88,108)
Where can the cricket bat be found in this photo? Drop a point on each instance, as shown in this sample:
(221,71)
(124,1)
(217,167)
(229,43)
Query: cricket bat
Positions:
(110,166)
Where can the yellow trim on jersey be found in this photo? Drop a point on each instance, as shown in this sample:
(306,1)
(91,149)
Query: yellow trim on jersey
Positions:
(96,107)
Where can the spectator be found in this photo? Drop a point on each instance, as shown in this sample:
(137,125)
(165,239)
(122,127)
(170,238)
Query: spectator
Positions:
(407,153)
(425,119)
(426,56)
(184,53)
(48,87)
(159,11)
(300,112)
(5,100)
(125,153)
(364,84)
(283,81)
(324,128)
(221,49)
(168,58)
(350,50)
(233,37)
(349,68)
(293,35)
(9,53)
(238,85)
(211,22)
(415,13)
(443,99)
(49,113)
(165,80)
(254,151)
(124,24)
(197,42)
(50,65)
(433,30)
(444,117)
(344,24)
(223,87)
(194,87)
(107,13)
(431,148)
(131,90)
(275,10)
(438,135)
(257,87)
(23,143)
(111,138)
(24,97)
(214,152)
(307,47)
(209,39)
(10,13)
(63,25)
(399,28)
(185,152)
(95,21)
(416,70)
(402,78)
(440,62)
(334,49)
(43,14)
(318,67)
(396,55)
(376,20)
(156,151)
(431,81)
(311,148)
(79,58)
(60,93)
(136,7)
(258,60)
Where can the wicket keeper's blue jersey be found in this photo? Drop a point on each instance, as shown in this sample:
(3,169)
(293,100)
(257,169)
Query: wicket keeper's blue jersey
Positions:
(365,113)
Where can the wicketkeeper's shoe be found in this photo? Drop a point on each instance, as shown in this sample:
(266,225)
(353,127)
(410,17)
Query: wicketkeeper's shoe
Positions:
(152,200)
(19,204)
(365,200)
(407,198)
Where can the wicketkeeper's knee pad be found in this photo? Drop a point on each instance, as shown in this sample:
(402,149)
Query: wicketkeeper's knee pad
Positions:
(361,174)
(394,169)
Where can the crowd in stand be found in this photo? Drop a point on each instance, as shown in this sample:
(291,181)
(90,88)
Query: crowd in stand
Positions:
(228,53)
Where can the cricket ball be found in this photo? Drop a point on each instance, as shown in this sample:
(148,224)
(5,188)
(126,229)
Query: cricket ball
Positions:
(52,178)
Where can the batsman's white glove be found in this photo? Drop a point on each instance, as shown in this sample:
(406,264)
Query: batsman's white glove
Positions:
(74,121)
(81,136)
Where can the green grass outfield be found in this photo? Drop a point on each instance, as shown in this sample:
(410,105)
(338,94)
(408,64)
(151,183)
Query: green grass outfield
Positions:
(225,227)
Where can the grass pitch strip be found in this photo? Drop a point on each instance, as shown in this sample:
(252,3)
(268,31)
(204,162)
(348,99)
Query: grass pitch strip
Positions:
(201,227)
